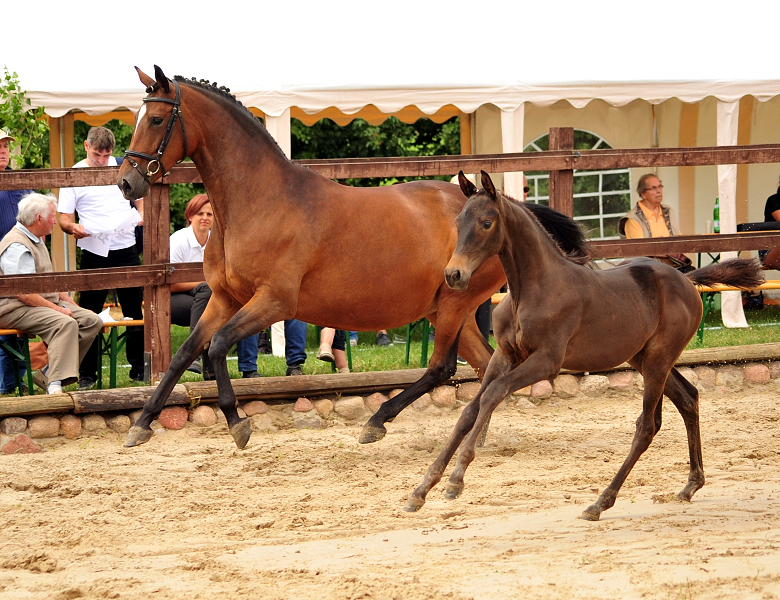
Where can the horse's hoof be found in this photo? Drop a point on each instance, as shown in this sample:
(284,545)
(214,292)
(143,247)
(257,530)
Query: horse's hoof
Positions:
(137,436)
(590,514)
(241,432)
(413,504)
(371,434)
(454,490)
(685,494)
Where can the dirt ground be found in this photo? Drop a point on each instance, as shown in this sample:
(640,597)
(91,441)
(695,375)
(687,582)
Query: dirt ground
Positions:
(313,514)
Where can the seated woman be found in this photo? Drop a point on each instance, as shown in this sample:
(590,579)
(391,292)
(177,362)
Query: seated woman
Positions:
(189,299)
(650,218)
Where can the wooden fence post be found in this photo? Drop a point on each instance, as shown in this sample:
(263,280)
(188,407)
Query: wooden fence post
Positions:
(562,182)
(157,298)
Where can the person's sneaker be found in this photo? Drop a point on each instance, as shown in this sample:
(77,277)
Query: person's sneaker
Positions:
(462,361)
(137,376)
(196,366)
(86,383)
(54,387)
(250,374)
(353,342)
(40,380)
(325,353)
(383,340)
(294,370)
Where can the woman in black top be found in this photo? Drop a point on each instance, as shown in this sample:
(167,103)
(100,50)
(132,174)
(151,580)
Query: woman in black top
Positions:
(772,213)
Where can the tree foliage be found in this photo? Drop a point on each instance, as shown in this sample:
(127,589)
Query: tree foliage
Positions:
(28,125)
(359,139)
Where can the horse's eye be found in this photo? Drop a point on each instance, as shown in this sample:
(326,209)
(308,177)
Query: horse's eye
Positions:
(157,120)
(487,224)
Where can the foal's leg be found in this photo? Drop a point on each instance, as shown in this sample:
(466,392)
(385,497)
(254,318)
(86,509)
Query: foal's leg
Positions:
(647,425)
(537,367)
(685,398)
(499,365)
(215,315)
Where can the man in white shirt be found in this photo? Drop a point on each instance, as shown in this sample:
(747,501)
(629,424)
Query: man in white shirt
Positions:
(67,329)
(106,235)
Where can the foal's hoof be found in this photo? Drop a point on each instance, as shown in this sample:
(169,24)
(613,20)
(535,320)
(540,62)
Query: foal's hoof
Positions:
(413,504)
(592,513)
(371,434)
(453,490)
(137,436)
(241,432)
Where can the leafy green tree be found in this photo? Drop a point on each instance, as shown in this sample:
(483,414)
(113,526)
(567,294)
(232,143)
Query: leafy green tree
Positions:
(28,125)
(359,139)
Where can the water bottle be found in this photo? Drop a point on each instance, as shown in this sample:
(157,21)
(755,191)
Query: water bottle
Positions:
(716,216)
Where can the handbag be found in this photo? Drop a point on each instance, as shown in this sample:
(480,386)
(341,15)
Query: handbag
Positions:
(679,261)
(39,355)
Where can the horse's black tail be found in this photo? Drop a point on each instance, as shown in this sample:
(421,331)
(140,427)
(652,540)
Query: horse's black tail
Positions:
(742,273)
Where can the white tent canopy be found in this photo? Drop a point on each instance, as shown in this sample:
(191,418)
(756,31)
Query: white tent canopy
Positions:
(348,54)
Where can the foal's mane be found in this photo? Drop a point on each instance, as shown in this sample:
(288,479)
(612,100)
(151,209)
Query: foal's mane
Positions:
(230,100)
(563,231)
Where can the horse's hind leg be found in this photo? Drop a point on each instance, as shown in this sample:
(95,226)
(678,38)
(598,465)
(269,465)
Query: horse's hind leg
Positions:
(439,370)
(685,398)
(647,425)
(193,346)
(452,327)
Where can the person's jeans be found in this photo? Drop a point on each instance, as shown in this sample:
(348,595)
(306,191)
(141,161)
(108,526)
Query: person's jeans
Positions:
(295,342)
(247,354)
(7,381)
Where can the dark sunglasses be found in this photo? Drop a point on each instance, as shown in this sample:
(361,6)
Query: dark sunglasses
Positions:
(526,189)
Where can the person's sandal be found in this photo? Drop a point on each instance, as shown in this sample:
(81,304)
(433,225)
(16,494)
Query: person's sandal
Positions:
(325,353)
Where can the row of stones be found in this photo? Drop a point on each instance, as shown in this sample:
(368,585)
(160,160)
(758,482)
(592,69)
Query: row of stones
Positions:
(307,414)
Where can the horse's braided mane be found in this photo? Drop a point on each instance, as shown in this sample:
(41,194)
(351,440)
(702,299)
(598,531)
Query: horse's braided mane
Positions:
(564,232)
(224,92)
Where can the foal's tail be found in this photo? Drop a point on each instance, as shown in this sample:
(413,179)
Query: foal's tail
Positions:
(742,273)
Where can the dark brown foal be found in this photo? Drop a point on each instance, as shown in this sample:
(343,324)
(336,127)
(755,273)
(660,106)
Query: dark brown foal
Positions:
(561,314)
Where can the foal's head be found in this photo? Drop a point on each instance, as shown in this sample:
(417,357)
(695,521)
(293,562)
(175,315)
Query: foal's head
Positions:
(480,231)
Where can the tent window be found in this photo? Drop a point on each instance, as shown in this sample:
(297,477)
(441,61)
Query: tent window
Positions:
(600,197)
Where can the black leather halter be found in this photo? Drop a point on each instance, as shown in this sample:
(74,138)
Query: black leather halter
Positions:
(157,160)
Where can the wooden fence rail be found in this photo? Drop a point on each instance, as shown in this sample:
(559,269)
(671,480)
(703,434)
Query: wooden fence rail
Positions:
(157,274)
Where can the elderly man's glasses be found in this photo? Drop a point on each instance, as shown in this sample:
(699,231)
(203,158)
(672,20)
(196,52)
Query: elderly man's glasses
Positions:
(655,188)
(526,189)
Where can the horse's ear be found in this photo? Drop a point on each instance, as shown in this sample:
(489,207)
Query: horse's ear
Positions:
(468,188)
(487,185)
(161,79)
(145,79)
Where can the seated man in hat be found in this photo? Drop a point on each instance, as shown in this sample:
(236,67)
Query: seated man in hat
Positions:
(67,329)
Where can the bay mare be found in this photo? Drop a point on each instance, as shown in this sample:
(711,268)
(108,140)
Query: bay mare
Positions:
(562,315)
(289,243)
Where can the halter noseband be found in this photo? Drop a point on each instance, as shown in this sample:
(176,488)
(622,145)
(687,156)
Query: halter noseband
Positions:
(157,160)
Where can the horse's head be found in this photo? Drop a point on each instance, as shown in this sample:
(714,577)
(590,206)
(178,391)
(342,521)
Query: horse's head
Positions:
(479,231)
(157,143)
